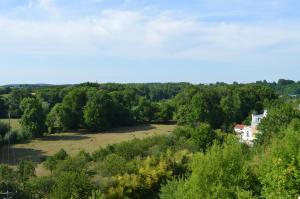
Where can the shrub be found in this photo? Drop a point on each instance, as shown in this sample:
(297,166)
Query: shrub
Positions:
(75,185)
(112,165)
(52,161)
(4,128)
(14,136)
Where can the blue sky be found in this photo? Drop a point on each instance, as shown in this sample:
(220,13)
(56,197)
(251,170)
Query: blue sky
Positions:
(72,41)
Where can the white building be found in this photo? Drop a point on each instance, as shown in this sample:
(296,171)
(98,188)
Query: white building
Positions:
(247,134)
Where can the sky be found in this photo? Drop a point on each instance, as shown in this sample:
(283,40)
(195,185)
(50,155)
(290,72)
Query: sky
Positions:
(197,41)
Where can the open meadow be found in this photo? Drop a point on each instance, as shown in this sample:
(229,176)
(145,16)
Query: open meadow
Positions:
(38,150)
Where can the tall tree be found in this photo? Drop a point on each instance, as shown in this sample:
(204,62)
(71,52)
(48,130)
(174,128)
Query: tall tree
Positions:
(231,106)
(280,114)
(15,98)
(145,110)
(60,118)
(98,112)
(72,185)
(220,173)
(75,100)
(280,164)
(3,108)
(33,118)
(203,136)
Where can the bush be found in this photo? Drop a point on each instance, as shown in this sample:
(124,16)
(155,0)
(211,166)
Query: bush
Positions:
(72,185)
(170,189)
(4,128)
(112,165)
(15,136)
(77,163)
(41,187)
(52,161)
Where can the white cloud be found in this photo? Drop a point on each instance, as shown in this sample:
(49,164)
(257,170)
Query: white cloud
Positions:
(48,6)
(136,35)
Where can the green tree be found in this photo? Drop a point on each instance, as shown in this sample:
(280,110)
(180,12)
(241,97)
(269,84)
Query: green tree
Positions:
(8,178)
(4,128)
(60,118)
(165,113)
(50,95)
(14,100)
(195,106)
(231,106)
(220,173)
(145,111)
(97,195)
(203,136)
(26,170)
(112,165)
(40,187)
(280,164)
(3,108)
(72,185)
(75,100)
(98,112)
(52,161)
(33,118)
(171,189)
(279,116)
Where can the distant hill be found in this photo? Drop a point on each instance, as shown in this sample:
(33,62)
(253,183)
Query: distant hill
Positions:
(27,85)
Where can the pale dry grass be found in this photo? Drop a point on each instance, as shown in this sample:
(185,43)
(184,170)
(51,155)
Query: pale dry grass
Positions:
(37,150)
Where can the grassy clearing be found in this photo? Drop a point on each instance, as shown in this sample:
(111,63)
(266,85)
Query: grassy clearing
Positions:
(15,123)
(37,150)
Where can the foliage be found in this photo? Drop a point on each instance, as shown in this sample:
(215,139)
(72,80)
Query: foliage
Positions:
(203,136)
(33,118)
(4,128)
(220,173)
(97,112)
(3,107)
(40,187)
(280,114)
(112,165)
(171,189)
(26,170)
(76,163)
(199,160)
(165,112)
(145,111)
(51,95)
(60,118)
(145,183)
(52,161)
(75,185)
(280,165)
(14,100)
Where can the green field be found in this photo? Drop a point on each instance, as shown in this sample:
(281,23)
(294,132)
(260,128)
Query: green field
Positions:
(37,150)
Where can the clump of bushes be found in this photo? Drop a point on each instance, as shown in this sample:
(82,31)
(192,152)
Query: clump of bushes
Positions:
(12,136)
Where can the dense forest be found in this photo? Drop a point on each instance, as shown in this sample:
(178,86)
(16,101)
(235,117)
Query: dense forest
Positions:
(202,158)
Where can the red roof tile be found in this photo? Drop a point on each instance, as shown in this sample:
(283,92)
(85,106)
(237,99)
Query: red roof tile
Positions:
(240,126)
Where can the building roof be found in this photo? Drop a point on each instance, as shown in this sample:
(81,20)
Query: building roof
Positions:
(239,126)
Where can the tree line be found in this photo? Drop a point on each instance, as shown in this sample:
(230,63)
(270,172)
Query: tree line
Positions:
(97,107)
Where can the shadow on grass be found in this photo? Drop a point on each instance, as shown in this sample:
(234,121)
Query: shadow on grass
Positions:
(126,129)
(63,137)
(12,156)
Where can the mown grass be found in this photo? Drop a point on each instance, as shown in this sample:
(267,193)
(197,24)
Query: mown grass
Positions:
(38,150)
